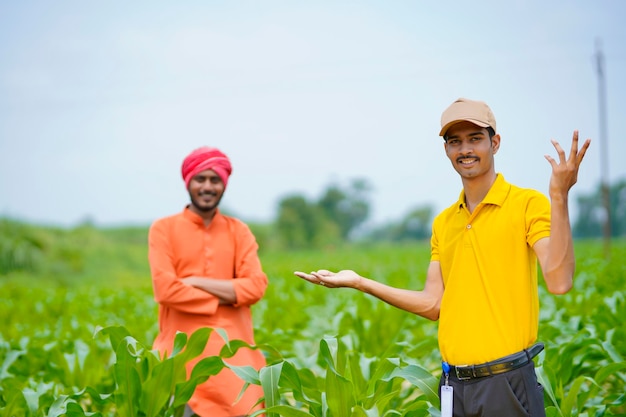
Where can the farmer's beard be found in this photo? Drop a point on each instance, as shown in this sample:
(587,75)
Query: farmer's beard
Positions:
(204,206)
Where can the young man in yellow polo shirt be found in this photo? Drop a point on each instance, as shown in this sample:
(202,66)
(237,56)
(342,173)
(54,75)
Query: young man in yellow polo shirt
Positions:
(482,279)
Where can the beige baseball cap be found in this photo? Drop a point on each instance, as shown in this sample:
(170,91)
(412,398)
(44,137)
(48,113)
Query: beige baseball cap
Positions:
(477,112)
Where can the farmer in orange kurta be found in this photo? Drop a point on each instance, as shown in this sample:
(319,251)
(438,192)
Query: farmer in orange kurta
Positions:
(206,273)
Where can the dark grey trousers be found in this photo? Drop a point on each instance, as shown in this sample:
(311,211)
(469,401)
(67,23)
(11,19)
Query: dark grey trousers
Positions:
(511,394)
(188,412)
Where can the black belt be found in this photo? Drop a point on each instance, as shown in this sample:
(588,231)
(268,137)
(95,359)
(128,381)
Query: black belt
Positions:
(499,366)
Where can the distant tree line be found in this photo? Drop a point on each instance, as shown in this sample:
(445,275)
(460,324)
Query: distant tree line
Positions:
(339,214)
(334,217)
(592,213)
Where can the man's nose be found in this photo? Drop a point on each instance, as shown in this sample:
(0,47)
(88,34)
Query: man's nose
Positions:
(207,186)
(467,147)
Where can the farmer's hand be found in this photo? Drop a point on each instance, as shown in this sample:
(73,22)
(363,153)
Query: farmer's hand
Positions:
(565,171)
(345,278)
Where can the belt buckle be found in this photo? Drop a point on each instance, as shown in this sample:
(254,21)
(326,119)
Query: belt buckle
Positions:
(465,378)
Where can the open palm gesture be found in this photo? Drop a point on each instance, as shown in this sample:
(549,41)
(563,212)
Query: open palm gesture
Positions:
(565,170)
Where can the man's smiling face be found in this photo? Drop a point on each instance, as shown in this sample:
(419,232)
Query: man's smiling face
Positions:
(470,149)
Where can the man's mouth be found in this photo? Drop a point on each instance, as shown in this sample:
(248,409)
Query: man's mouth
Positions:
(207,197)
(466,160)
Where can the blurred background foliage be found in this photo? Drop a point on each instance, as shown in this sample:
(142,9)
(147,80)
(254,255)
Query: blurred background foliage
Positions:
(59,285)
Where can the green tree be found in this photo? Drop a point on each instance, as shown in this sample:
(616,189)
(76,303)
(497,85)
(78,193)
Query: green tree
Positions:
(347,208)
(416,225)
(591,213)
(301,224)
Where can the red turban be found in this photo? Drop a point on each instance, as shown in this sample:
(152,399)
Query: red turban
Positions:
(206,158)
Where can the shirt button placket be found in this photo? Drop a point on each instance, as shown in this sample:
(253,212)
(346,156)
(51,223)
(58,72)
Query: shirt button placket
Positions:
(207,251)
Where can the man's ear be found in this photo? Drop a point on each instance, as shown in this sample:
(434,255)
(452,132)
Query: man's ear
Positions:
(495,143)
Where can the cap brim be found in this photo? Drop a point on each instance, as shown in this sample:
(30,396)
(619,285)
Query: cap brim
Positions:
(445,128)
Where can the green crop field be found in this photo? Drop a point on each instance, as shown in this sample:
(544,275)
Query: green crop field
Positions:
(78,319)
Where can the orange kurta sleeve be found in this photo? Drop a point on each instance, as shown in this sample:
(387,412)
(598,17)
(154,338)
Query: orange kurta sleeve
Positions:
(251,281)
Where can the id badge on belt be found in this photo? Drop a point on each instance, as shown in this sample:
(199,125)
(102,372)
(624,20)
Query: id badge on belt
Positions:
(446,392)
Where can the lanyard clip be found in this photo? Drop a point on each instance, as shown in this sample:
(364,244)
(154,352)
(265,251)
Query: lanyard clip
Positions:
(446,371)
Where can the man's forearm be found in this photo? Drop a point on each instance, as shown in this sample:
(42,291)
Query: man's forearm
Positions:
(421,303)
(222,289)
(559,269)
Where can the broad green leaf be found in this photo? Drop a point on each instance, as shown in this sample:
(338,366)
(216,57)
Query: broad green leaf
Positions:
(15,403)
(59,407)
(421,378)
(246,373)
(609,370)
(82,350)
(128,381)
(610,349)
(567,404)
(328,346)
(339,394)
(381,399)
(359,411)
(290,379)
(184,391)
(75,410)
(180,340)
(116,334)
(157,390)
(9,359)
(552,411)
(195,345)
(359,368)
(383,370)
(203,370)
(420,407)
(269,377)
(223,335)
(206,367)
(32,395)
(230,349)
(543,379)
(97,398)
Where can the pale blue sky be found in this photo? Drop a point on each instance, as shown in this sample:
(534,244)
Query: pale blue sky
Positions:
(101,101)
